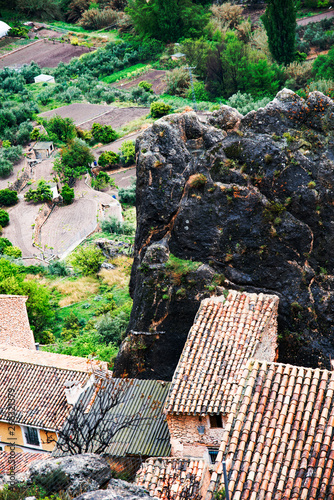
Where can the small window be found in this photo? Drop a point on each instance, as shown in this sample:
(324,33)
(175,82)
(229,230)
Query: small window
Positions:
(213,452)
(216,421)
(31,435)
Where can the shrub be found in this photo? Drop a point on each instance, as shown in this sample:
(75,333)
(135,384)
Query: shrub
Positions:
(113,225)
(113,328)
(67,194)
(159,109)
(76,159)
(6,167)
(4,243)
(63,128)
(103,180)
(108,158)
(12,251)
(4,218)
(41,194)
(245,103)
(103,133)
(226,15)
(95,19)
(128,151)
(323,66)
(178,82)
(128,195)
(147,86)
(8,197)
(58,268)
(87,260)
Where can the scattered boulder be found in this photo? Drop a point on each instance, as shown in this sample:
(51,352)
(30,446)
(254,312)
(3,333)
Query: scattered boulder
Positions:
(74,473)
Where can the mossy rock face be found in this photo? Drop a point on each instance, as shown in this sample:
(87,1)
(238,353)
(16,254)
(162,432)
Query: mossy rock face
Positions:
(256,219)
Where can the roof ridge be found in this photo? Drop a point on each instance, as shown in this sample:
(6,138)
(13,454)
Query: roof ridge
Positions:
(42,366)
(287,365)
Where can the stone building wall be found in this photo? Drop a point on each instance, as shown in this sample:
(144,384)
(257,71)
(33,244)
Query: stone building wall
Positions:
(187,442)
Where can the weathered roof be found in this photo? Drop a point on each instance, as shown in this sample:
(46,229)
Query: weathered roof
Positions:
(43,145)
(280,444)
(39,393)
(224,336)
(144,398)
(14,323)
(173,477)
(22,461)
(49,359)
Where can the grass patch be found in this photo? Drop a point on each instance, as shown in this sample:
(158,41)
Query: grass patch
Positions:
(137,124)
(119,276)
(131,72)
(75,290)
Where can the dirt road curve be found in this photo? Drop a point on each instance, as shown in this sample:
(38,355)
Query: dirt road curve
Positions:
(315,19)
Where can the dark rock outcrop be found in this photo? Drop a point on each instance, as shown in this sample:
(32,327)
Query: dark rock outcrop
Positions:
(75,473)
(252,201)
(117,490)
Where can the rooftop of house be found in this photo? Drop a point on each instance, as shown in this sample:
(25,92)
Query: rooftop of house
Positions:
(140,402)
(45,358)
(279,438)
(38,391)
(22,461)
(14,323)
(226,333)
(43,145)
(175,478)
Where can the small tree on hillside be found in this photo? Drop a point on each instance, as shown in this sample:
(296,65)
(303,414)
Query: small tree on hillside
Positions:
(280,24)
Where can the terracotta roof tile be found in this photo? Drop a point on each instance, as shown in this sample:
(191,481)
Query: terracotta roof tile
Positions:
(50,359)
(39,393)
(289,453)
(22,461)
(224,336)
(14,323)
(173,477)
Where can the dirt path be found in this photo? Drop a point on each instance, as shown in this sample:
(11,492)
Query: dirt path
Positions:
(315,19)
(7,181)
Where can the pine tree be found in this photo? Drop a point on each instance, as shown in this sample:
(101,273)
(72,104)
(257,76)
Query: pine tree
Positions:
(280,24)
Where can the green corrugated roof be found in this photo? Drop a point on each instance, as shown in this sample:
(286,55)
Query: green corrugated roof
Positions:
(150,437)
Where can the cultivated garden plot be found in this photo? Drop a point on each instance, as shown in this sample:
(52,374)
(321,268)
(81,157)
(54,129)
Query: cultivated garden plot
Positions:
(44,52)
(156,77)
(85,114)
(78,112)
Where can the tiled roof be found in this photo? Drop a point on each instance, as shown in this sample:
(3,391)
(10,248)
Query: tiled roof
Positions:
(49,358)
(280,444)
(22,461)
(39,393)
(145,399)
(14,323)
(175,478)
(224,336)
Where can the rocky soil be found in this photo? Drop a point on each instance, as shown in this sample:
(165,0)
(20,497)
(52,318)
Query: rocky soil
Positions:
(250,198)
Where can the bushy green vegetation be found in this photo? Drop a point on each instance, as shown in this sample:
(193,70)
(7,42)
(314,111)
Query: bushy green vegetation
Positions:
(41,194)
(4,218)
(128,195)
(113,225)
(103,180)
(8,197)
(108,158)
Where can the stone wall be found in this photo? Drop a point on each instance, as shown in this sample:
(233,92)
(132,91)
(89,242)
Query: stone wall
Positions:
(185,439)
